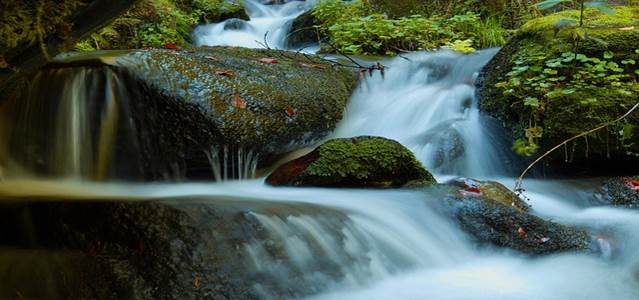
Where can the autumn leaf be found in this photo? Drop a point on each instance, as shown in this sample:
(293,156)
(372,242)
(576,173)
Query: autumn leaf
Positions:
(238,102)
(633,184)
(197,282)
(269,61)
(170,46)
(291,112)
(522,233)
(227,73)
(312,66)
(543,240)
(473,190)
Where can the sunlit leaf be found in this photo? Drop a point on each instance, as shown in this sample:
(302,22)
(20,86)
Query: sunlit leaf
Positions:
(550,3)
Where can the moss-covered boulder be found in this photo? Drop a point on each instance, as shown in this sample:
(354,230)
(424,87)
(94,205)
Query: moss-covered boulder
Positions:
(493,215)
(621,191)
(267,100)
(354,162)
(555,79)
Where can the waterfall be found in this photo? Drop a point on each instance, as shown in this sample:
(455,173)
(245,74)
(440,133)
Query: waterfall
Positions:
(427,102)
(65,126)
(268,26)
(228,164)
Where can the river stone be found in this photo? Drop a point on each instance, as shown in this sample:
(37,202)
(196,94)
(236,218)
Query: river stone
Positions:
(621,191)
(601,153)
(303,31)
(181,248)
(493,215)
(354,162)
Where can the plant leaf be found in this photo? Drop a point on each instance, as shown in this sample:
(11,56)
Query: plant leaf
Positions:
(600,5)
(549,3)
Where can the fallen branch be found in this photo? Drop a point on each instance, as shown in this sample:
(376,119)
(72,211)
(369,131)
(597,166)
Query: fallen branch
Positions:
(520,179)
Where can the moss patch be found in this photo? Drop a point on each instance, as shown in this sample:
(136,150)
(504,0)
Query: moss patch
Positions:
(362,161)
(582,104)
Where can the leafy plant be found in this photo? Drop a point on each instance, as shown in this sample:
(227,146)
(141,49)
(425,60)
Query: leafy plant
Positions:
(601,5)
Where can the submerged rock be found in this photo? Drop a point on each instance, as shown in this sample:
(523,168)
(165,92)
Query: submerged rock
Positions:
(354,162)
(568,105)
(492,214)
(621,191)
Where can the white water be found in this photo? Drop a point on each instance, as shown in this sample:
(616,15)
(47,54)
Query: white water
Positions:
(401,244)
(268,26)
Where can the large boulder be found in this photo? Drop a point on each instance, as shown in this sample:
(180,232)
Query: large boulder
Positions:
(554,80)
(621,191)
(176,111)
(182,248)
(494,215)
(303,31)
(354,162)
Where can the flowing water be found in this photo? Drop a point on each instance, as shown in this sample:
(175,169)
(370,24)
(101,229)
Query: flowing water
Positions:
(388,244)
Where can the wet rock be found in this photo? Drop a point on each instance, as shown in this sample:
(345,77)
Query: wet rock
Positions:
(303,31)
(235,24)
(173,249)
(354,162)
(539,40)
(621,191)
(492,214)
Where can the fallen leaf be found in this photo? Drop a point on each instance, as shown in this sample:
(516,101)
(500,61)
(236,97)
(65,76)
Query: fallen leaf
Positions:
(197,282)
(312,66)
(291,112)
(522,233)
(238,102)
(473,190)
(227,73)
(211,57)
(633,184)
(170,46)
(270,61)
(544,240)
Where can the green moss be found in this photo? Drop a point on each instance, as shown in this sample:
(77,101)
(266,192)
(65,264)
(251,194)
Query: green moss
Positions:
(369,161)
(256,105)
(589,96)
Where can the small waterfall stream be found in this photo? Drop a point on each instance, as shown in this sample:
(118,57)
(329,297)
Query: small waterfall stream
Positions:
(374,244)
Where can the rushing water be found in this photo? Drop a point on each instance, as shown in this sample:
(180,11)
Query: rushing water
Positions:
(268,26)
(391,244)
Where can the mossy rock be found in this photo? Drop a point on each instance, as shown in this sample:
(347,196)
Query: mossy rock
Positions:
(488,213)
(268,101)
(567,115)
(620,191)
(303,31)
(354,162)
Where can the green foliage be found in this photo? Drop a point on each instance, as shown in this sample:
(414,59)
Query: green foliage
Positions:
(25,22)
(541,79)
(153,23)
(354,28)
(600,5)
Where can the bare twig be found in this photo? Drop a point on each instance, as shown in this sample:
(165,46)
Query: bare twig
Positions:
(519,182)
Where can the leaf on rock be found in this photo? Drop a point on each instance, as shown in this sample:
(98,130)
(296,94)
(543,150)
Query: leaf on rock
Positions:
(291,112)
(269,61)
(170,46)
(633,184)
(522,233)
(238,102)
(312,66)
(227,73)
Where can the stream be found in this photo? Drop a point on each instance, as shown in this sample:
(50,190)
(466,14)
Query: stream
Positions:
(392,244)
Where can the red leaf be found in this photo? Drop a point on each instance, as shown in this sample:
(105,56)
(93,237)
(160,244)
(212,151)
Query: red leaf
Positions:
(291,112)
(270,61)
(170,46)
(633,184)
(473,190)
(312,66)
(238,102)
(522,233)
(227,73)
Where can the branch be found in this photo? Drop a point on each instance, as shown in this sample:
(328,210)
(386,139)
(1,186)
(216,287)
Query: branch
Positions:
(519,182)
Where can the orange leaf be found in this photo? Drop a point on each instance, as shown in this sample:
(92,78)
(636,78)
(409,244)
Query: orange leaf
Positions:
(522,233)
(633,184)
(170,46)
(197,282)
(270,61)
(291,112)
(227,73)
(238,102)
(312,66)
